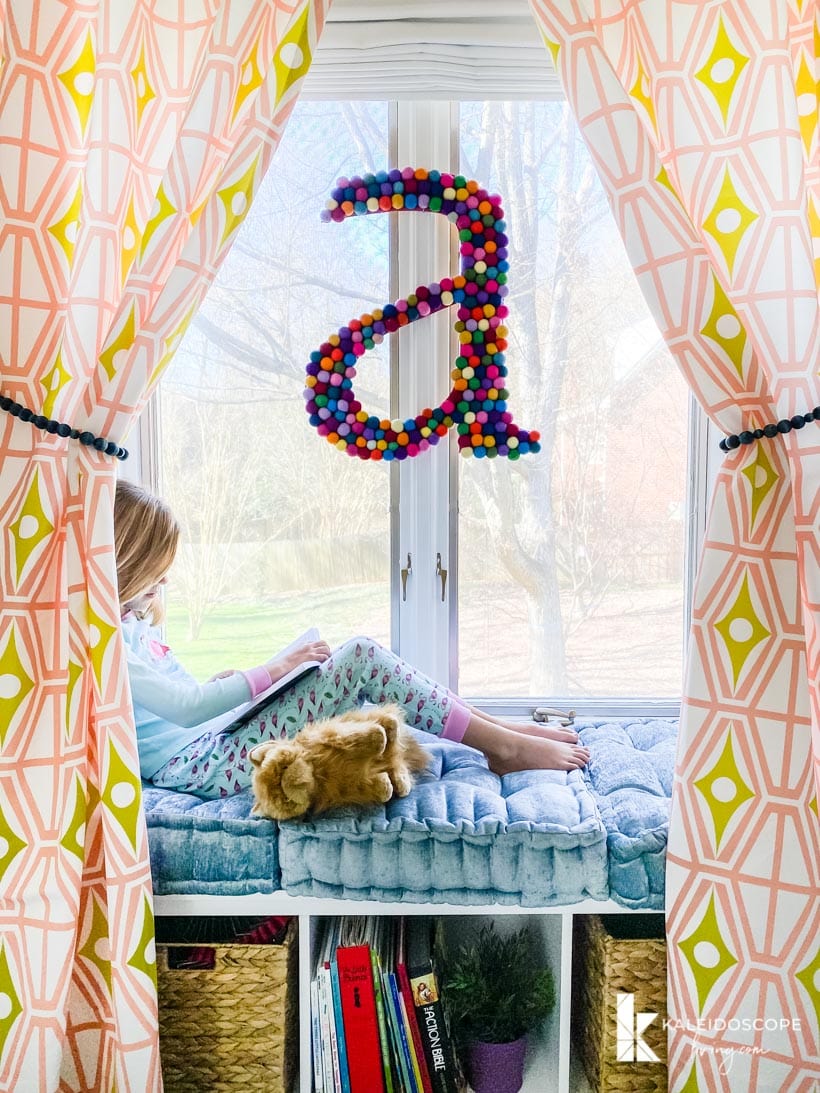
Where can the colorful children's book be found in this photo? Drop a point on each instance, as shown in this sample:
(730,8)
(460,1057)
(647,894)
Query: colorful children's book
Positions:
(327,987)
(322,1060)
(339,1023)
(325,1022)
(407,997)
(316,1038)
(381,1016)
(424,984)
(411,1047)
(383,943)
(361,1026)
(402,1035)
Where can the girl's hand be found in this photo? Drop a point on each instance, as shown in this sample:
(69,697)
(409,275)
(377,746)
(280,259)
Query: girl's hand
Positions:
(312,650)
(223,675)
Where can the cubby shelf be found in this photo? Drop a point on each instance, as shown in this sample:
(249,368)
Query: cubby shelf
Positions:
(551,1065)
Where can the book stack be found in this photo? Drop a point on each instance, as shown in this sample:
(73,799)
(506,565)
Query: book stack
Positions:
(378,1023)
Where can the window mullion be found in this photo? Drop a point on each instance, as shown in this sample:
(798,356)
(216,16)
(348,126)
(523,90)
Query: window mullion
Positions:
(424,254)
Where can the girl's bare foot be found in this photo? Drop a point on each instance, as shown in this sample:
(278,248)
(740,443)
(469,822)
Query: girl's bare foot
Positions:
(546,732)
(530,728)
(525,751)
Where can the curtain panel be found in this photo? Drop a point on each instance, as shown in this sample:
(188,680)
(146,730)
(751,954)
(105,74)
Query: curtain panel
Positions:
(703,122)
(133,138)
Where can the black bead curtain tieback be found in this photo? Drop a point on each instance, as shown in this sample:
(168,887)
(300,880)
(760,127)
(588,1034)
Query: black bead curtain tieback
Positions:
(748,436)
(59,428)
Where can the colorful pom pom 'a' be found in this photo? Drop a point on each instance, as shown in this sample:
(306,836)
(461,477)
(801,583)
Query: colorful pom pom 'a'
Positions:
(477,403)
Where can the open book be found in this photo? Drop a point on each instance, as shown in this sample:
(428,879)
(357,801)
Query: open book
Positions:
(248,710)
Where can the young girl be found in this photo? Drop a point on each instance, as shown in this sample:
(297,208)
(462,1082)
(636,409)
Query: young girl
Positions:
(172,710)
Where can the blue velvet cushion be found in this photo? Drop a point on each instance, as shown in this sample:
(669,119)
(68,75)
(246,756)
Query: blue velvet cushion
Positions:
(209,847)
(536,838)
(463,835)
(630,776)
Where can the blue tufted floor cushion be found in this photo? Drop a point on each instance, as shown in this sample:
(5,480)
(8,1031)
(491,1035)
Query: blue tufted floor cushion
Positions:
(209,847)
(630,775)
(463,835)
(537,838)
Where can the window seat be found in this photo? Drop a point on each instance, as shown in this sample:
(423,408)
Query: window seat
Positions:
(463,835)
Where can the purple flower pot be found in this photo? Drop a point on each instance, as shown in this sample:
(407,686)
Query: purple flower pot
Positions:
(496,1068)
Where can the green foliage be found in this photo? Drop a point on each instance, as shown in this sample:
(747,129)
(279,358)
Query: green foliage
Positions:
(494,989)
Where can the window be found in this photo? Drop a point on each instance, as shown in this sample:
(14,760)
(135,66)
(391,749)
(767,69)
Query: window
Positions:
(561,577)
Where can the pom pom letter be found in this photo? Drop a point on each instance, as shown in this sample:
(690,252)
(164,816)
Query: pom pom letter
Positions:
(477,403)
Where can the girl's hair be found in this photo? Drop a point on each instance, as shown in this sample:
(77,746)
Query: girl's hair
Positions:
(146,536)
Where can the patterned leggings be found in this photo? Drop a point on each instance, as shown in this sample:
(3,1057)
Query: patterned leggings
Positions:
(361,670)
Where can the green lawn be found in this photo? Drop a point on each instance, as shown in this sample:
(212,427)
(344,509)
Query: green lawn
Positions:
(632,645)
(241,635)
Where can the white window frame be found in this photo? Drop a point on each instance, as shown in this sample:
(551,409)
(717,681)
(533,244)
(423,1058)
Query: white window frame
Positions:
(424,492)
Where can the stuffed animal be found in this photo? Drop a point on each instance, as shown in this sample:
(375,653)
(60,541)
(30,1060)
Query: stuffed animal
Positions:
(361,757)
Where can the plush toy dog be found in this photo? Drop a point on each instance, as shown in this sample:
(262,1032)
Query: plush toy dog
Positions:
(361,757)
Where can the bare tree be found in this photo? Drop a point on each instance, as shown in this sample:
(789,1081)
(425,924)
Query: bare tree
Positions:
(548,277)
(544,517)
(242,470)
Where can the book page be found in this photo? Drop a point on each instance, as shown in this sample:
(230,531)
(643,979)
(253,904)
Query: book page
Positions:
(248,710)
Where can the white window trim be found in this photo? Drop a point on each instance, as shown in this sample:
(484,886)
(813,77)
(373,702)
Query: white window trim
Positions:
(495,52)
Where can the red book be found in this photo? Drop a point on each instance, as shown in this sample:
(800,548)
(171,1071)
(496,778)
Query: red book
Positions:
(364,1055)
(407,995)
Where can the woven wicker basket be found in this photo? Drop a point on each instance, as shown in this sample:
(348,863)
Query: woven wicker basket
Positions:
(233,1027)
(611,956)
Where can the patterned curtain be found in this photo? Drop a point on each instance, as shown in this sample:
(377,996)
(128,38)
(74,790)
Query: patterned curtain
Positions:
(703,121)
(133,137)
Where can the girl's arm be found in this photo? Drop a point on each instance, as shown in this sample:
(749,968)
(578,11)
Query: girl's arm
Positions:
(162,686)
(178,698)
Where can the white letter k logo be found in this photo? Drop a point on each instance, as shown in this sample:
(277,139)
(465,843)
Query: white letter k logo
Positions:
(629,1028)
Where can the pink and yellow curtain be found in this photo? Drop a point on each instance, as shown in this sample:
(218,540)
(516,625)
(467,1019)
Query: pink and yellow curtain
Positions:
(703,121)
(133,137)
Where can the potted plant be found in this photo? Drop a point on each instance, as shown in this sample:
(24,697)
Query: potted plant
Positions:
(496,993)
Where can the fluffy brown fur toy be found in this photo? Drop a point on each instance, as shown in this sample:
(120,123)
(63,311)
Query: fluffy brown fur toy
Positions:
(361,757)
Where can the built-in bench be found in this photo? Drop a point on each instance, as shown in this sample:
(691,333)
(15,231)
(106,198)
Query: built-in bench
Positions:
(463,836)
